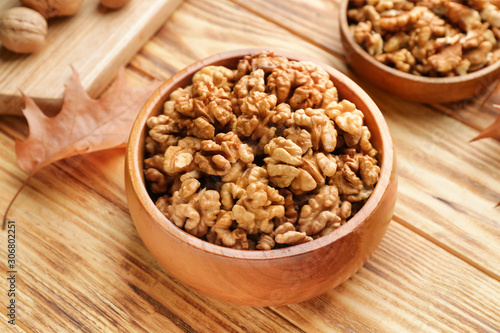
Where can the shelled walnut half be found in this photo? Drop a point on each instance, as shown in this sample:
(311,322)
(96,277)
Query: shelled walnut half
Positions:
(259,157)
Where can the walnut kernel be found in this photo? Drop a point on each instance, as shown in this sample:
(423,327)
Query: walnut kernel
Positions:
(260,157)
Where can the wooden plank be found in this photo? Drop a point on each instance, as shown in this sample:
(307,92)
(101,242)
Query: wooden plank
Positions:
(409,285)
(191,34)
(82,266)
(448,187)
(96,42)
(316,21)
(477,113)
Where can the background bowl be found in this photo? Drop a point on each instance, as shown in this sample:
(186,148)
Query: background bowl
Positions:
(408,86)
(262,278)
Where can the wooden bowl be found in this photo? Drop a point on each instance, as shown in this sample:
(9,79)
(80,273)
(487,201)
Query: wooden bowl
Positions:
(262,278)
(408,86)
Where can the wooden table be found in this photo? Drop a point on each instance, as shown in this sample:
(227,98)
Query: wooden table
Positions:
(82,266)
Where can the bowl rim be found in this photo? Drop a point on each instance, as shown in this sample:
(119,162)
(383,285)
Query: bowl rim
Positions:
(137,180)
(346,33)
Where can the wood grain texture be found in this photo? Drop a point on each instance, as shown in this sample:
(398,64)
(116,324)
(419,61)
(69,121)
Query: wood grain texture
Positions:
(77,209)
(220,26)
(448,187)
(477,113)
(96,42)
(89,271)
(401,289)
(315,21)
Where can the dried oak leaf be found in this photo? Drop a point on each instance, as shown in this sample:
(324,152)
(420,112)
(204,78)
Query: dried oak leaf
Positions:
(492,131)
(83,125)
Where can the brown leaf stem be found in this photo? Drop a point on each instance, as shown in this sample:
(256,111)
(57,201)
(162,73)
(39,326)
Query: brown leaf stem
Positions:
(492,131)
(83,125)
(4,223)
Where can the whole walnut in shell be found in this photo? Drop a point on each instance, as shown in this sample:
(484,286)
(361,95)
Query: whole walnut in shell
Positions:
(114,4)
(22,30)
(52,8)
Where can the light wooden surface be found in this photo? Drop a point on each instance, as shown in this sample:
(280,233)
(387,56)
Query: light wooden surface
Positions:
(82,266)
(95,41)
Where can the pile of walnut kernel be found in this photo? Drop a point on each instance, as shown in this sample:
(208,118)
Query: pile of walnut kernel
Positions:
(261,157)
(438,38)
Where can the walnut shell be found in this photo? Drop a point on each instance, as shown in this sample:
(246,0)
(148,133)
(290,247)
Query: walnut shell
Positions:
(22,30)
(114,4)
(52,8)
